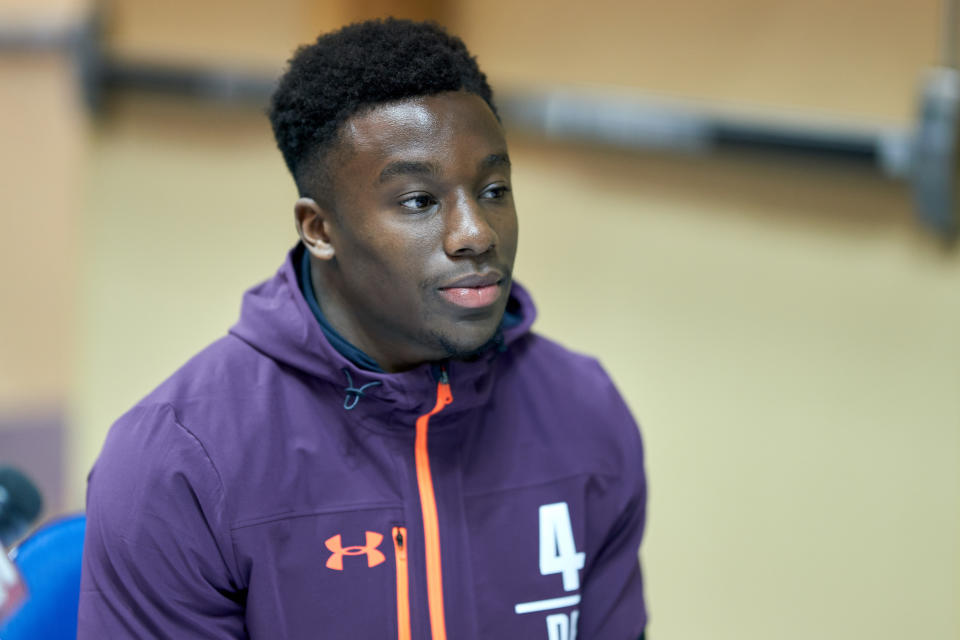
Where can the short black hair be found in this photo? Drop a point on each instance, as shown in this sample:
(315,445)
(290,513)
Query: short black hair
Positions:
(357,67)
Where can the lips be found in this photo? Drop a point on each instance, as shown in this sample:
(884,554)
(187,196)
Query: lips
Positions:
(473,291)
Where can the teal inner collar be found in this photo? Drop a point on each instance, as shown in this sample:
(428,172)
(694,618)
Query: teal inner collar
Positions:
(341,344)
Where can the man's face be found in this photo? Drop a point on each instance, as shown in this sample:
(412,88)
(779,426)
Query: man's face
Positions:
(423,229)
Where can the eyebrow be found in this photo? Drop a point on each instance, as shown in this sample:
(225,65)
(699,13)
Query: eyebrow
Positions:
(408,168)
(429,169)
(495,160)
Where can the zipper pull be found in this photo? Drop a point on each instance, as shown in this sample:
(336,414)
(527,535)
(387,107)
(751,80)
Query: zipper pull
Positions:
(399,546)
(444,393)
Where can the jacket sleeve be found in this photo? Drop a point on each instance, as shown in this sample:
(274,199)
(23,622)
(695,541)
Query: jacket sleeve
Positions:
(158,559)
(612,605)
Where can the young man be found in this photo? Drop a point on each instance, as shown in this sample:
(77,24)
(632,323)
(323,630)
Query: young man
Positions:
(380,447)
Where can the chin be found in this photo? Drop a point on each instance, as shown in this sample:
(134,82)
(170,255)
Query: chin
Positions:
(460,344)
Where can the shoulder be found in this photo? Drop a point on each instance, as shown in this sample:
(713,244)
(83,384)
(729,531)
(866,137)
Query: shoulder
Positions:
(228,393)
(150,468)
(228,418)
(573,396)
(172,442)
(569,376)
(150,444)
(157,518)
(225,365)
(559,367)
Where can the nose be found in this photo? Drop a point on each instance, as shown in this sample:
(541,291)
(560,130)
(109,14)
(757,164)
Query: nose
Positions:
(467,230)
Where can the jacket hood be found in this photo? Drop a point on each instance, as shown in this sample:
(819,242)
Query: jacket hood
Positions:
(276,320)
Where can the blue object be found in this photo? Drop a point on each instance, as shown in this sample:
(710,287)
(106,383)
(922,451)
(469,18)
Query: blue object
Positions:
(49,561)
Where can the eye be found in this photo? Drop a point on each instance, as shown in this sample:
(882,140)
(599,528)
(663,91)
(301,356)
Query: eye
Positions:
(496,192)
(418,202)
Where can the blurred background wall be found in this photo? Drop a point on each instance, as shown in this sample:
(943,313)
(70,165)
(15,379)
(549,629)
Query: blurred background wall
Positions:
(784,332)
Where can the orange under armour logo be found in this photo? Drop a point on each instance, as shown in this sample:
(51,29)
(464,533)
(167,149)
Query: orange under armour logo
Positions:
(374,556)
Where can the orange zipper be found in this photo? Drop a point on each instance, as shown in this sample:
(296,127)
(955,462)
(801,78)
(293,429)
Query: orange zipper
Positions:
(403,593)
(428,507)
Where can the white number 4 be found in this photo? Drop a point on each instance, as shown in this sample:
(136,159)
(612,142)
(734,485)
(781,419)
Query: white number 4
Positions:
(558,552)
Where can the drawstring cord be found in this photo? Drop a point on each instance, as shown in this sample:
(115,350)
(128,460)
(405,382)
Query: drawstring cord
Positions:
(355,393)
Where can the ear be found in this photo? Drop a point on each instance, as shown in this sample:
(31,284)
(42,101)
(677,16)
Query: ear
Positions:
(313,225)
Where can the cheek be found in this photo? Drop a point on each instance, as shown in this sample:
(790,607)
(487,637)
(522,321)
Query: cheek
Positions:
(390,260)
(508,234)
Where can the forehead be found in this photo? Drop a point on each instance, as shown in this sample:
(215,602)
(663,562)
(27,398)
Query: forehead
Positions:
(442,128)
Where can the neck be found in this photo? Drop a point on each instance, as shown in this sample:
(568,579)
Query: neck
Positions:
(386,351)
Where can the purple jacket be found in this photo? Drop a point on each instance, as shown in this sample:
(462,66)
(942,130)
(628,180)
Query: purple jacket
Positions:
(271,489)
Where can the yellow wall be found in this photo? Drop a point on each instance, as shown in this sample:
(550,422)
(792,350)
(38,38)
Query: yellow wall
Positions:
(240,35)
(784,333)
(43,134)
(42,146)
(856,58)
